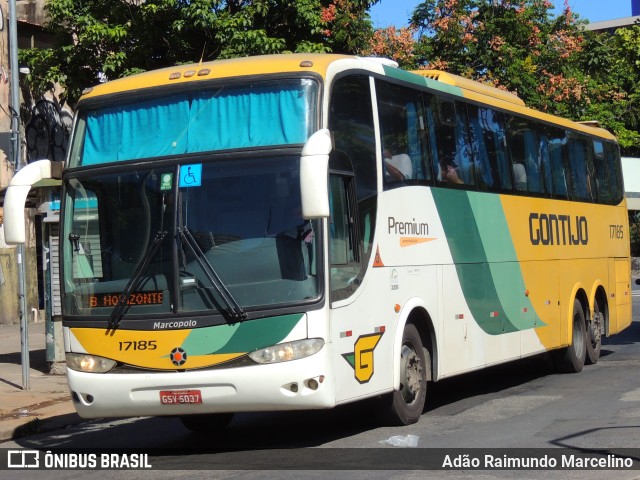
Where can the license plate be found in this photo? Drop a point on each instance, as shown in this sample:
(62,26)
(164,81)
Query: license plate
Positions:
(180,397)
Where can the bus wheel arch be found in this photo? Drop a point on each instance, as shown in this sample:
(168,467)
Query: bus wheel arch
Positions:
(420,318)
(413,367)
(404,405)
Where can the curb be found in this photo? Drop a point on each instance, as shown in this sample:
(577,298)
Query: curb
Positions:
(46,416)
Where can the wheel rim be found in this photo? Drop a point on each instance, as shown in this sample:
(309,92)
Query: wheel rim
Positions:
(578,335)
(594,328)
(411,381)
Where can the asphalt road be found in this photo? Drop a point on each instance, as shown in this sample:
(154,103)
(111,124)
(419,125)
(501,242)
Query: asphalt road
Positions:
(521,405)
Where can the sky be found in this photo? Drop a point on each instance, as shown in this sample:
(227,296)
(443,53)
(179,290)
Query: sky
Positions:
(397,12)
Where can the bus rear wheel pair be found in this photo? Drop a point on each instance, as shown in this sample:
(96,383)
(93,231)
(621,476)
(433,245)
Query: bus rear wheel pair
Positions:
(585,343)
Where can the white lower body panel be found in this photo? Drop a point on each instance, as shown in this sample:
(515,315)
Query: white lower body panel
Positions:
(243,389)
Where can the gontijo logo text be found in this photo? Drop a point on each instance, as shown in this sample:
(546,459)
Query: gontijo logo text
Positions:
(552,229)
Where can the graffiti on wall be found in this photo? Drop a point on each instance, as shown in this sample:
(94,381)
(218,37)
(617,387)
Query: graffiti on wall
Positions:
(47,133)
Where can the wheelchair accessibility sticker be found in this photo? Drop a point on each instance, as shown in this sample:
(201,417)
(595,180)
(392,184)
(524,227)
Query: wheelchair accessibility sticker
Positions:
(191,175)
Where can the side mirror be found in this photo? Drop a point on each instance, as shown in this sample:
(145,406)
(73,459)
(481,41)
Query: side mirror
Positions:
(314,175)
(16,196)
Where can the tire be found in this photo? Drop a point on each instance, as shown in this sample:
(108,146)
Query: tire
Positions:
(594,337)
(209,423)
(572,358)
(405,405)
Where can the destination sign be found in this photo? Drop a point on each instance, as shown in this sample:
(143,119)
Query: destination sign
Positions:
(137,298)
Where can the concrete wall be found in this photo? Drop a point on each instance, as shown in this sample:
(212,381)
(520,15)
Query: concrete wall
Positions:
(9,304)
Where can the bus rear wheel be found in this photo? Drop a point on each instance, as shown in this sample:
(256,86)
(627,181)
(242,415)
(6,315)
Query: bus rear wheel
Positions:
(404,406)
(207,423)
(594,334)
(572,358)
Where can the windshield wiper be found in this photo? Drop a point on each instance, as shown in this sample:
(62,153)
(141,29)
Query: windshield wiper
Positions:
(235,311)
(118,311)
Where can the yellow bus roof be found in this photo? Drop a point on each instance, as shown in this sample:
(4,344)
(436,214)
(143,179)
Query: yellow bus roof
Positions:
(236,67)
(319,63)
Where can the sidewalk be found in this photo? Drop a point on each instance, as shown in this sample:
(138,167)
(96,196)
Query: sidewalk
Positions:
(47,404)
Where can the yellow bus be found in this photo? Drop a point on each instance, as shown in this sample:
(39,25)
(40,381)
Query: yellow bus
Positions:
(302,231)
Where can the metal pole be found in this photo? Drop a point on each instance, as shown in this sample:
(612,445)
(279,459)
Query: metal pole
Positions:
(15,139)
(24,320)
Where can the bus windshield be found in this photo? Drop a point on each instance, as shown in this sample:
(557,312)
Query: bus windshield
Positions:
(223,117)
(187,234)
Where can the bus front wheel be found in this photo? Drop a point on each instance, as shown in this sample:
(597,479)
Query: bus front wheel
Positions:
(572,358)
(404,406)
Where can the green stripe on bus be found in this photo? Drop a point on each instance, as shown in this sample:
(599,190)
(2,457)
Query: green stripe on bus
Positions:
(502,259)
(421,81)
(485,259)
(240,337)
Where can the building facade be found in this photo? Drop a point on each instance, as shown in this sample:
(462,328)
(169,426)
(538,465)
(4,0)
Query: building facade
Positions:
(38,136)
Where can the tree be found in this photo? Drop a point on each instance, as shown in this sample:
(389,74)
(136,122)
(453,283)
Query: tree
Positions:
(393,43)
(101,40)
(613,65)
(550,61)
(513,44)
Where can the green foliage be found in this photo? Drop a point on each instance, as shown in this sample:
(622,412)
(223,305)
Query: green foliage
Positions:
(100,39)
(551,62)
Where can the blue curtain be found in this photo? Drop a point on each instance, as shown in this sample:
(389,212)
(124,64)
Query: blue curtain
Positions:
(532,162)
(148,129)
(177,125)
(480,150)
(241,119)
(415,152)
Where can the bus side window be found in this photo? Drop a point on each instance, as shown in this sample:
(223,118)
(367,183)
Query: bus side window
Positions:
(351,121)
(601,172)
(352,125)
(489,148)
(554,146)
(581,168)
(453,146)
(403,134)
(533,161)
(612,154)
(343,237)
(608,177)
(525,155)
(518,160)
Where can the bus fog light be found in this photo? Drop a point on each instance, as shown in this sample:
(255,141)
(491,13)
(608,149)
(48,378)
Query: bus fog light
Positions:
(285,352)
(313,384)
(83,362)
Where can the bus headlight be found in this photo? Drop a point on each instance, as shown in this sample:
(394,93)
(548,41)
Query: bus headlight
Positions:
(284,352)
(84,362)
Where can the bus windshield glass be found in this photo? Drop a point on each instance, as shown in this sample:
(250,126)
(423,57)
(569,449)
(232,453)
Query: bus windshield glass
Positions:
(223,236)
(255,114)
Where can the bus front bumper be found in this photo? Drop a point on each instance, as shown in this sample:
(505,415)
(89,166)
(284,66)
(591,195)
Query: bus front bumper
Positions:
(296,385)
